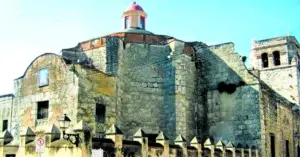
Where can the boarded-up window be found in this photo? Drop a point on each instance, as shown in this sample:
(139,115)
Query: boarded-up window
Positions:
(100,113)
(4,125)
(43,77)
(43,109)
(276,57)
(264,59)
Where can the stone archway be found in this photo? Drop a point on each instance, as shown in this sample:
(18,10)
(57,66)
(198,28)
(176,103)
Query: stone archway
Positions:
(238,153)
(218,153)
(206,152)
(229,153)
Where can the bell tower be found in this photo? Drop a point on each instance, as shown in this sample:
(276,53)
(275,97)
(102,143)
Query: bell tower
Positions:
(277,60)
(274,53)
(134,17)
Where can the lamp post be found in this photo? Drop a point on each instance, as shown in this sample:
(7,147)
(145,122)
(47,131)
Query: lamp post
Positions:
(64,123)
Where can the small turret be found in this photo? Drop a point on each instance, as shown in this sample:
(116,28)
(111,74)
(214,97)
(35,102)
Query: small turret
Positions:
(134,17)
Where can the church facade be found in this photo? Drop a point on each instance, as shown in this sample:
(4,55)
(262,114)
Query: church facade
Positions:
(157,86)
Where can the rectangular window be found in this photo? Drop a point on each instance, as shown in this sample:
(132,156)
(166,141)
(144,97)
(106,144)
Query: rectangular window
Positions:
(100,113)
(4,125)
(126,22)
(10,155)
(265,61)
(272,137)
(142,22)
(43,77)
(287,151)
(43,108)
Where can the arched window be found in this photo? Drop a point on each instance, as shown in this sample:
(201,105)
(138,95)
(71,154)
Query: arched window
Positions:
(264,59)
(276,57)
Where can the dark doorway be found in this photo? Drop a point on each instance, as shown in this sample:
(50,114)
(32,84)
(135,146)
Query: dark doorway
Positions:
(287,149)
(272,145)
(10,155)
(229,153)
(218,153)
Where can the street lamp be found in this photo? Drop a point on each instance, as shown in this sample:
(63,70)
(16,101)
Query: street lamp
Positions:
(64,123)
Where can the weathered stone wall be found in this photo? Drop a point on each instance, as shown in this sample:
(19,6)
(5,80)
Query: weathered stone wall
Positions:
(223,64)
(98,56)
(279,92)
(96,87)
(141,78)
(231,96)
(6,105)
(184,85)
(161,84)
(112,43)
(283,80)
(103,54)
(293,49)
(61,93)
(277,120)
(296,129)
(235,116)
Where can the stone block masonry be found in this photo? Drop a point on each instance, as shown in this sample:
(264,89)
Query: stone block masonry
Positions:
(161,84)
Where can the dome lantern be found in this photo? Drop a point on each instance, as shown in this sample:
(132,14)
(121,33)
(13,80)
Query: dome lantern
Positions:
(134,17)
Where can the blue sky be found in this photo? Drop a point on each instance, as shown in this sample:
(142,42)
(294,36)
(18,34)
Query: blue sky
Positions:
(32,27)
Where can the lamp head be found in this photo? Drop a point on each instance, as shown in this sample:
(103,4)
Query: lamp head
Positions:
(64,122)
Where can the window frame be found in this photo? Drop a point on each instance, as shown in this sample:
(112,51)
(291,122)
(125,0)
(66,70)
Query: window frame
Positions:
(100,118)
(142,22)
(38,115)
(39,78)
(276,58)
(5,121)
(126,22)
(265,60)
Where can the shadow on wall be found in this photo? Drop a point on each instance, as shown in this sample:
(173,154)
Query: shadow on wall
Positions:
(169,102)
(229,106)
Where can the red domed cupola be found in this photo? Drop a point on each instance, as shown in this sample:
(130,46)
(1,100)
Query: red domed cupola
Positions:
(134,6)
(134,17)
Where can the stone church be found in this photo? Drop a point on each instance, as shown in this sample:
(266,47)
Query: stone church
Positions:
(134,88)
